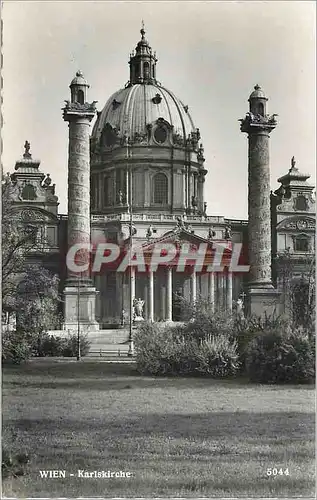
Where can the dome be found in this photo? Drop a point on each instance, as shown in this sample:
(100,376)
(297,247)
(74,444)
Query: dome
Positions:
(131,110)
(79,79)
(257,93)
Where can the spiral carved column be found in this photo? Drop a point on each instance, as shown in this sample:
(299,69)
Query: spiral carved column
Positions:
(80,295)
(262,297)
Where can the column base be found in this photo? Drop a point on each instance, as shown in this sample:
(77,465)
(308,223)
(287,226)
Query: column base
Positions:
(263,301)
(83,299)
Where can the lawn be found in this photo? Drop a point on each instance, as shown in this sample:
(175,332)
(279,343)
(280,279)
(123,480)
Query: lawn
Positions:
(178,437)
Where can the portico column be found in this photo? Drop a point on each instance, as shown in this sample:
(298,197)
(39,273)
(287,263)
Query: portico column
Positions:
(220,292)
(229,291)
(151,296)
(132,271)
(193,286)
(211,291)
(169,294)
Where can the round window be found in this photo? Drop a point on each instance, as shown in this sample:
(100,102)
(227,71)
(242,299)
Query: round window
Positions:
(160,135)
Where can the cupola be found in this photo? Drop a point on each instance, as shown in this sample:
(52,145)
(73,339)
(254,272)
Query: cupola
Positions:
(78,88)
(142,62)
(258,101)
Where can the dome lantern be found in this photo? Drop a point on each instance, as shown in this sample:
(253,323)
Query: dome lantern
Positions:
(78,88)
(258,101)
(142,62)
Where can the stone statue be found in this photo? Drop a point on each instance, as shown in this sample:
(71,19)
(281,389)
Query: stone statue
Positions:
(27,146)
(132,230)
(7,179)
(138,308)
(211,233)
(205,209)
(240,307)
(228,233)
(120,197)
(47,180)
(149,232)
(200,154)
(194,201)
(180,225)
(293,162)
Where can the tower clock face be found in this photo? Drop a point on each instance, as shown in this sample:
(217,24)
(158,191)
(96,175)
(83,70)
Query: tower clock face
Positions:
(160,135)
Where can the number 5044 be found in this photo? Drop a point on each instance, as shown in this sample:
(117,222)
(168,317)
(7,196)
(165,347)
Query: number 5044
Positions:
(277,472)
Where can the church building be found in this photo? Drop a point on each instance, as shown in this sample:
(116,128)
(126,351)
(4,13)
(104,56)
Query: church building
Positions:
(139,175)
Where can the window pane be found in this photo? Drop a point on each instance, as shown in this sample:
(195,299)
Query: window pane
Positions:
(160,189)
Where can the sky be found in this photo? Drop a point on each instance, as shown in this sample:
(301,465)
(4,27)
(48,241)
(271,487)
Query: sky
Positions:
(211,54)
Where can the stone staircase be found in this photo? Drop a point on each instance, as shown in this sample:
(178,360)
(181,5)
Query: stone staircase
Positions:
(109,344)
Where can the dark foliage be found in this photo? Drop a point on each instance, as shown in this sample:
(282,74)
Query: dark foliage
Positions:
(281,356)
(14,465)
(169,351)
(51,345)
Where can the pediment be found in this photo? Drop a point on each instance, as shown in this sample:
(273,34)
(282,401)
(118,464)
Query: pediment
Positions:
(182,237)
(32,214)
(297,223)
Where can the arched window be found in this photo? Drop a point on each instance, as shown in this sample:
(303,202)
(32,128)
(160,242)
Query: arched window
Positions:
(146,70)
(80,97)
(261,108)
(160,186)
(301,243)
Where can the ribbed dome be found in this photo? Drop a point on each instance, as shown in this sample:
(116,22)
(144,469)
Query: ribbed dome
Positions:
(79,79)
(131,109)
(257,93)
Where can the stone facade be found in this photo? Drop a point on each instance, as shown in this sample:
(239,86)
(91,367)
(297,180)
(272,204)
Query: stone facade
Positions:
(146,135)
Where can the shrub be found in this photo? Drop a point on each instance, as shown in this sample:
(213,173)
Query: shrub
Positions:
(51,345)
(168,351)
(281,356)
(15,347)
(246,329)
(13,465)
(218,357)
(70,348)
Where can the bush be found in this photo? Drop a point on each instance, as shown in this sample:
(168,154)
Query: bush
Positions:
(218,357)
(281,356)
(246,329)
(168,351)
(70,348)
(13,465)
(51,345)
(15,347)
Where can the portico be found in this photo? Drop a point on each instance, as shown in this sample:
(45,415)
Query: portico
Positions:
(163,288)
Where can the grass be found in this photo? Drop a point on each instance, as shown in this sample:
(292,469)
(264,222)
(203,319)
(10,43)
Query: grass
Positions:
(179,437)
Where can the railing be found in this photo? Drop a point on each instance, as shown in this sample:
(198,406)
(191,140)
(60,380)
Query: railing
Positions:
(125,217)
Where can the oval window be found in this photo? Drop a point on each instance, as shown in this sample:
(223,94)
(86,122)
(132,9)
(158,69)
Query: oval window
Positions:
(160,135)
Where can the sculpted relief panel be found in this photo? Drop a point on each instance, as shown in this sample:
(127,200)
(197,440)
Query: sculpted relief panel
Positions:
(259,209)
(259,149)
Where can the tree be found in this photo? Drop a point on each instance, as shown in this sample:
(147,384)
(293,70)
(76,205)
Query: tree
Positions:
(298,286)
(17,243)
(27,289)
(37,301)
